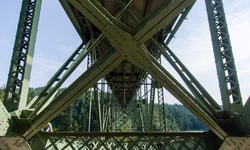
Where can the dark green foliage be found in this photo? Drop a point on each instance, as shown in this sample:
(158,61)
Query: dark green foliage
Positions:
(33,92)
(2,91)
(185,120)
(178,118)
(70,119)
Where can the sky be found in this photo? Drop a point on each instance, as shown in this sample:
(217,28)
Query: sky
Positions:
(57,39)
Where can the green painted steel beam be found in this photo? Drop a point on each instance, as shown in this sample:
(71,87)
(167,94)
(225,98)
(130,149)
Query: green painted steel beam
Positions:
(204,99)
(131,140)
(87,111)
(5,119)
(145,61)
(129,47)
(243,123)
(163,18)
(98,70)
(96,18)
(224,60)
(100,18)
(160,98)
(160,74)
(64,69)
(20,68)
(151,105)
(46,96)
(97,119)
(137,54)
(146,100)
(113,19)
(109,27)
(75,21)
(178,24)
(162,113)
(64,72)
(148,16)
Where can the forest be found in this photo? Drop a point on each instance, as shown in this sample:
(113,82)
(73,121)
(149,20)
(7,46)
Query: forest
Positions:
(178,118)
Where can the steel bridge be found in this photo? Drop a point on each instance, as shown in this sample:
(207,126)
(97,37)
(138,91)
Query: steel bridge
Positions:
(123,42)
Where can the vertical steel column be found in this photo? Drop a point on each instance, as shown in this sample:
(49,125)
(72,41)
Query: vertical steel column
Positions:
(96,122)
(87,104)
(113,112)
(106,108)
(103,104)
(87,111)
(142,122)
(143,99)
(151,104)
(161,100)
(161,109)
(143,104)
(226,71)
(20,68)
(146,112)
(97,118)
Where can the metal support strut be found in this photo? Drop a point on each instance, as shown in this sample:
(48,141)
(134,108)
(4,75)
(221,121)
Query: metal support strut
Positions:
(226,70)
(21,62)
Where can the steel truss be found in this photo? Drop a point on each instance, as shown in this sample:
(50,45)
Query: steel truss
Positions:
(124,100)
(226,70)
(127,140)
(20,68)
(119,118)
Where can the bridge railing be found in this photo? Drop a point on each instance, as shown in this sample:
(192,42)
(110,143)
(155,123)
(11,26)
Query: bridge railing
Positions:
(124,140)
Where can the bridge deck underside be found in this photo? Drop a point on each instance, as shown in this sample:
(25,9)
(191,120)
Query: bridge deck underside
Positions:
(126,78)
(123,41)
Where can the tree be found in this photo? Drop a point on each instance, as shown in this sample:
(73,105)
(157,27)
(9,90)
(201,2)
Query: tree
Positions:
(2,92)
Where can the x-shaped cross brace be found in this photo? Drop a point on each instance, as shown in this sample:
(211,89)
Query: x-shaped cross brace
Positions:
(131,48)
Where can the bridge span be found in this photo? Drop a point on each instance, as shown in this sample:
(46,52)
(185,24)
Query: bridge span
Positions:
(123,43)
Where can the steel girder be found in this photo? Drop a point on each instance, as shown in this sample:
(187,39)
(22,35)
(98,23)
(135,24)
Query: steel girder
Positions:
(228,80)
(4,119)
(161,75)
(151,104)
(104,65)
(87,112)
(136,54)
(226,70)
(142,60)
(182,17)
(202,97)
(102,20)
(20,68)
(61,75)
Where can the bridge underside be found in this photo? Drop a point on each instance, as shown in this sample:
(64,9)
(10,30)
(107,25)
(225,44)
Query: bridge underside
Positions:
(130,17)
(123,43)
